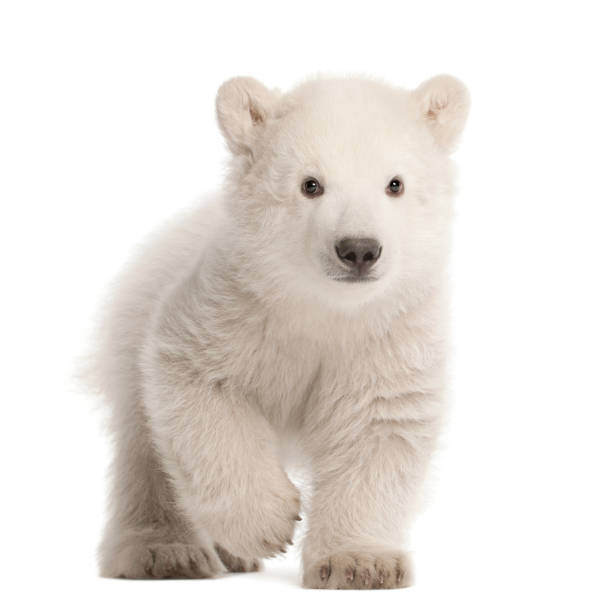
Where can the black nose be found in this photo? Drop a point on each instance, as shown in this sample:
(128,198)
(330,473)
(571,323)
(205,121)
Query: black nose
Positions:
(358,253)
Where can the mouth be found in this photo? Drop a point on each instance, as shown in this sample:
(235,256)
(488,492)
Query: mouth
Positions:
(366,278)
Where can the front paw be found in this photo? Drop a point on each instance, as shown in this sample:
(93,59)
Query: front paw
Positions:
(237,564)
(275,523)
(261,525)
(353,570)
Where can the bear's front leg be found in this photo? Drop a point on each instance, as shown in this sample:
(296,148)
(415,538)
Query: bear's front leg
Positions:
(220,454)
(365,485)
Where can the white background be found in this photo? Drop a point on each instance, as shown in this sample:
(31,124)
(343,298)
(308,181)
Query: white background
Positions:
(107,127)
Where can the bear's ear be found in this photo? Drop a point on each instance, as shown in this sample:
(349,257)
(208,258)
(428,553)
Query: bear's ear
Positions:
(444,102)
(243,107)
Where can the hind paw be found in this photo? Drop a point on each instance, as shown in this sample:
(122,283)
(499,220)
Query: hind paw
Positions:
(147,559)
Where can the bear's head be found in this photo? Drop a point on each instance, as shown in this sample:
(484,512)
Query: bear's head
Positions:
(340,190)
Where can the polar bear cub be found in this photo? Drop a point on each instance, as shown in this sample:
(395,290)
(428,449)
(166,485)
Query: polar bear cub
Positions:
(304,302)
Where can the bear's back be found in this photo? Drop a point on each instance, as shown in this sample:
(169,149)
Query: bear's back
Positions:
(161,261)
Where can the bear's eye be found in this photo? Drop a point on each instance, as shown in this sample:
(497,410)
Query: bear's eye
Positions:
(395,187)
(311,188)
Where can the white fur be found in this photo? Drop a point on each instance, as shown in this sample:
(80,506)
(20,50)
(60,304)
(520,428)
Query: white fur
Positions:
(227,334)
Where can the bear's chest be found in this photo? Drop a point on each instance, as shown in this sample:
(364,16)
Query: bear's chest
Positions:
(291,376)
(280,377)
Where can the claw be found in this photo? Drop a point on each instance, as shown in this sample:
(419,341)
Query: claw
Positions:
(400,574)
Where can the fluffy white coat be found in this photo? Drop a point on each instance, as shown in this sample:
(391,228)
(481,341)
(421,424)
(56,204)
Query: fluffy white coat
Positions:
(233,331)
